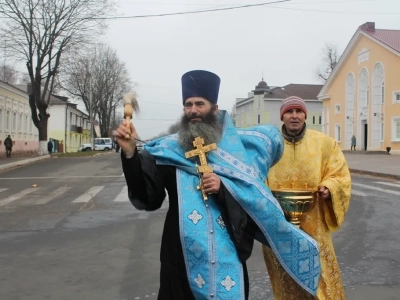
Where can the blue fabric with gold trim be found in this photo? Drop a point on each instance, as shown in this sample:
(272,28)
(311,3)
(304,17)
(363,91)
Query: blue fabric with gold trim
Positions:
(242,160)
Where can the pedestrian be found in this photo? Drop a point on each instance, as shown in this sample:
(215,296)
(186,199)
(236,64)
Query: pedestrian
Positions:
(116,146)
(353,142)
(8,143)
(208,232)
(50,146)
(311,159)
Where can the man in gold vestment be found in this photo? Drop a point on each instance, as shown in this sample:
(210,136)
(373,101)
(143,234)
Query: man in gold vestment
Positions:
(314,159)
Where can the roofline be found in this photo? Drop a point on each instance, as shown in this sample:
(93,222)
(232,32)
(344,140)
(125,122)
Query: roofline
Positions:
(13,89)
(348,49)
(324,97)
(280,99)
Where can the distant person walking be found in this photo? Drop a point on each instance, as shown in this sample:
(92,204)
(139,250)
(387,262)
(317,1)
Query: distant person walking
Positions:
(8,144)
(353,142)
(50,146)
(116,146)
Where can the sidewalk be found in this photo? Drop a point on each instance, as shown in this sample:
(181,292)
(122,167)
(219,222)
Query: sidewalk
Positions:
(383,164)
(9,163)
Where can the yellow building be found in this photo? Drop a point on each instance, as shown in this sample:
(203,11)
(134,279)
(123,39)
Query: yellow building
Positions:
(362,94)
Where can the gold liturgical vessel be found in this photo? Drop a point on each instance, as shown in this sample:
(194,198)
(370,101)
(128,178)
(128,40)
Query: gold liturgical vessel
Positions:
(295,201)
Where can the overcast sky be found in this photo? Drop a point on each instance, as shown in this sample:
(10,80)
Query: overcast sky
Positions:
(283,42)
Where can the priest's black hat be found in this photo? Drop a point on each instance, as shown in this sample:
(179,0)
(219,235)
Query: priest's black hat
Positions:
(199,83)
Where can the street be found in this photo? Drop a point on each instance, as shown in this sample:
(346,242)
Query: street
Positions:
(68,231)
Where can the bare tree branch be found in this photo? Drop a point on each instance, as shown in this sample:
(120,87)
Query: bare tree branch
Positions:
(99,79)
(330,59)
(40,32)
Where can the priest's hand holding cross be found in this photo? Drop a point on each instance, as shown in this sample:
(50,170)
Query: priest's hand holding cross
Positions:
(210,182)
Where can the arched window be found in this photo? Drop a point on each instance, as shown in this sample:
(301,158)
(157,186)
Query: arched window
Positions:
(378,100)
(378,85)
(8,120)
(363,90)
(21,117)
(14,124)
(26,124)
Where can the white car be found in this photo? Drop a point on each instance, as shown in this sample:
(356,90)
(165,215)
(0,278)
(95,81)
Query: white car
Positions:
(100,144)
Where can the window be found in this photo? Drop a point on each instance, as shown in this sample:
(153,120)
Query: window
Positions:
(382,132)
(258,103)
(396,129)
(8,120)
(337,109)
(313,120)
(26,124)
(320,120)
(20,123)
(337,133)
(14,124)
(396,97)
(383,92)
(258,119)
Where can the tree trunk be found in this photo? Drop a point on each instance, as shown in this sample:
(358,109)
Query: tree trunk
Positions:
(40,120)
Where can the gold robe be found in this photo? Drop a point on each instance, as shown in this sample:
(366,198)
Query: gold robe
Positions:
(315,160)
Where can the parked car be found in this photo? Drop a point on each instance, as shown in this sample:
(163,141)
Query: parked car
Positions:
(85,147)
(103,144)
(100,144)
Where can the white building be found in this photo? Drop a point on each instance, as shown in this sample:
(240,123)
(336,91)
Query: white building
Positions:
(262,105)
(16,121)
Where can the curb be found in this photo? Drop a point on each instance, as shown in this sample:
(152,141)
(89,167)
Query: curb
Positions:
(23,162)
(376,174)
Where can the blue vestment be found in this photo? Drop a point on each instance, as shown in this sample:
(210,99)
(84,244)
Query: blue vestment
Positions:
(242,160)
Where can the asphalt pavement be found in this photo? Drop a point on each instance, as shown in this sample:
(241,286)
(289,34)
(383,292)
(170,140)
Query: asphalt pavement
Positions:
(379,164)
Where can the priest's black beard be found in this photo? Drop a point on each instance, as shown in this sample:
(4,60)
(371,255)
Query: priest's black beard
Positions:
(208,128)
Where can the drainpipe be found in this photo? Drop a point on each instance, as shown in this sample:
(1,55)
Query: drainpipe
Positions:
(65,141)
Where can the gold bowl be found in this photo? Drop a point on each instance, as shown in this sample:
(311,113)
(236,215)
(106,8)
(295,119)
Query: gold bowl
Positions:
(295,202)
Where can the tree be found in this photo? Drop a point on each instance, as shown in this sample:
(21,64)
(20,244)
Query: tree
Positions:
(330,59)
(39,33)
(8,74)
(99,79)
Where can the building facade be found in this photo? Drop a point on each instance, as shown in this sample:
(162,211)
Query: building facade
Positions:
(362,95)
(68,126)
(262,106)
(16,121)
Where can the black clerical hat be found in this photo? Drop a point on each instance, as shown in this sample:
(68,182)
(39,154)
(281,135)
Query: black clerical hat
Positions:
(199,83)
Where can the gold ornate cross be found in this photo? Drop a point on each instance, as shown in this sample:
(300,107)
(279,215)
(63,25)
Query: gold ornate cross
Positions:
(201,152)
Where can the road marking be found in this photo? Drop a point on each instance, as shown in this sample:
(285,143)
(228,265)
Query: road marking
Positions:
(376,188)
(358,193)
(88,195)
(388,183)
(17,196)
(122,196)
(2,190)
(52,195)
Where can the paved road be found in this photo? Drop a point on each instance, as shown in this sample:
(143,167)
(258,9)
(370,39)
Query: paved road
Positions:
(76,236)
